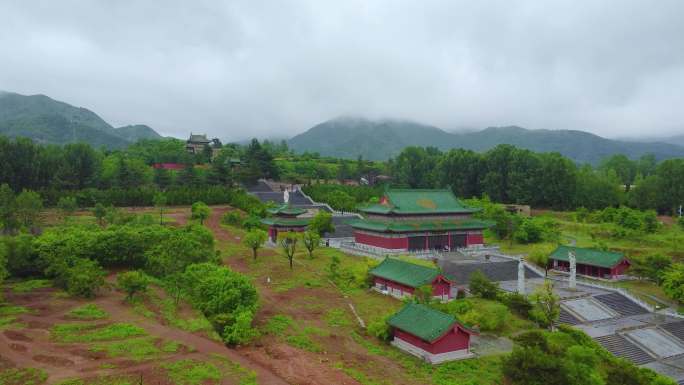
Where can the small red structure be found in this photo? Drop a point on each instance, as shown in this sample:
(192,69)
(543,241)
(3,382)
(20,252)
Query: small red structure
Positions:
(430,334)
(169,166)
(406,219)
(399,279)
(590,262)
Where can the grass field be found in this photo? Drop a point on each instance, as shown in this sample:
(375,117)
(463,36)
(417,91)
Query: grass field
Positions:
(667,240)
(303,309)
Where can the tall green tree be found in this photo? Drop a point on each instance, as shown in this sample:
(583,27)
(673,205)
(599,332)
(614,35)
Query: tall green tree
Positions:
(160,204)
(288,242)
(461,170)
(8,220)
(254,239)
(28,205)
(311,239)
(322,223)
(546,305)
(200,211)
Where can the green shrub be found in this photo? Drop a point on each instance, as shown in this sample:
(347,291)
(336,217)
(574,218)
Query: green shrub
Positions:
(132,282)
(494,317)
(481,286)
(228,299)
(84,278)
(379,328)
(233,218)
(200,211)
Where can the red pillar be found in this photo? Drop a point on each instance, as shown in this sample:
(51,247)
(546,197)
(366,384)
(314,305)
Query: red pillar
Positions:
(449,235)
(426,242)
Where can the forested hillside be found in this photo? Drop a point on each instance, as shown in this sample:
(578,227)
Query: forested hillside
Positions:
(380,140)
(49,121)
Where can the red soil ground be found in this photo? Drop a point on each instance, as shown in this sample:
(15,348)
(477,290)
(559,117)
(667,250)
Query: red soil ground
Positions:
(273,361)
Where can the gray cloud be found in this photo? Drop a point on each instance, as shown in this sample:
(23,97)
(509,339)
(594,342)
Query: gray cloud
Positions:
(246,68)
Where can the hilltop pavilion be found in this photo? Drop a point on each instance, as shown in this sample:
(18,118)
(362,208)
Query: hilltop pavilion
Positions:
(414,220)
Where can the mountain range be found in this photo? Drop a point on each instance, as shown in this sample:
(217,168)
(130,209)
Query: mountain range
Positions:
(350,137)
(49,121)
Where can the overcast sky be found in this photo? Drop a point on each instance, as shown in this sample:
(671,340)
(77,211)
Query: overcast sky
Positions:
(237,69)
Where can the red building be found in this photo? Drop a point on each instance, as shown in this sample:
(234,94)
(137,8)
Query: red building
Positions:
(399,279)
(419,220)
(430,334)
(285,218)
(590,262)
(169,166)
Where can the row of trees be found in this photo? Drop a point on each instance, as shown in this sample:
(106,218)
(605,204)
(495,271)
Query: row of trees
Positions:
(511,175)
(73,167)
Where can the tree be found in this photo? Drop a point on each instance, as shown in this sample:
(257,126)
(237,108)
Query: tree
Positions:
(99,211)
(625,168)
(423,294)
(3,266)
(132,282)
(334,268)
(28,206)
(416,167)
(540,257)
(289,244)
(84,278)
(200,211)
(162,177)
(160,202)
(650,267)
(67,206)
(8,220)
(546,305)
(228,299)
(311,239)
(481,286)
(194,244)
(322,223)
(254,239)
(342,201)
(673,281)
(188,176)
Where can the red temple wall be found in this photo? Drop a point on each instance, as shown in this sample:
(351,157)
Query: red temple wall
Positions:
(475,238)
(620,268)
(380,241)
(393,285)
(441,287)
(454,339)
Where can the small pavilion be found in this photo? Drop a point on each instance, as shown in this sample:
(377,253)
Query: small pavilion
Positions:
(285,218)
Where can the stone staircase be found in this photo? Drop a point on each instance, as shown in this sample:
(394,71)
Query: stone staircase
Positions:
(566,318)
(621,347)
(675,328)
(620,304)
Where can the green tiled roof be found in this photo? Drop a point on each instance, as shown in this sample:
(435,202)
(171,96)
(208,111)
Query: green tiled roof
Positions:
(286,209)
(422,321)
(591,257)
(286,222)
(425,225)
(419,201)
(406,273)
